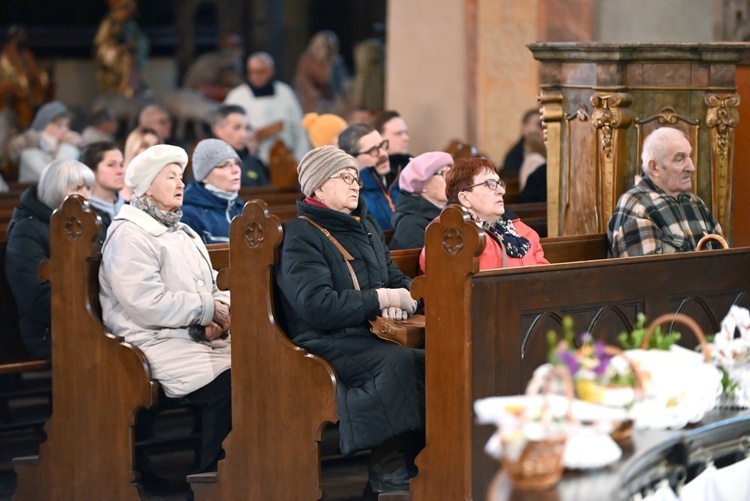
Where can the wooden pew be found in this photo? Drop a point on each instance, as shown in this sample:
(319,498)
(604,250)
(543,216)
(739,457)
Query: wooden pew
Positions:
(99,382)
(268,457)
(282,166)
(281,400)
(488,334)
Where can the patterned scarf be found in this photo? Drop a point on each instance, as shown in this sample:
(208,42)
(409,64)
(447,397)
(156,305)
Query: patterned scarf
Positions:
(168,219)
(515,245)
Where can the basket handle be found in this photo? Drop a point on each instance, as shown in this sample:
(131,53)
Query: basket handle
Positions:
(711,236)
(614,351)
(563,374)
(683,319)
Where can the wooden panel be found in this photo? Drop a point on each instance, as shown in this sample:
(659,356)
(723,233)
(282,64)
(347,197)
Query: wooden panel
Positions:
(281,395)
(741,229)
(489,334)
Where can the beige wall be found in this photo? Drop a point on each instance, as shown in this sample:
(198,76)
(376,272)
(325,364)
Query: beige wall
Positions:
(426,70)
(450,81)
(507,74)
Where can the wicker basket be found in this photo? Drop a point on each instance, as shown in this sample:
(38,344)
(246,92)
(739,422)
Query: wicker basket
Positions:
(624,429)
(540,465)
(683,319)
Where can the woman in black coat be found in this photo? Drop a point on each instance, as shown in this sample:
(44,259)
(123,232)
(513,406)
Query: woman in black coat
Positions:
(28,245)
(421,200)
(381,385)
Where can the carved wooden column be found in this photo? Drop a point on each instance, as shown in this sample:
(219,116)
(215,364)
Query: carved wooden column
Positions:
(600,100)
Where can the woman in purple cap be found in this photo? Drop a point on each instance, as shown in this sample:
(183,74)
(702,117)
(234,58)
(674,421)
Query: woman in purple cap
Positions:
(421,199)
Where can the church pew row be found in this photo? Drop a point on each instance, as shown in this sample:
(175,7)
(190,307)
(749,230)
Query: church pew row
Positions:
(273,450)
(73,458)
(487,336)
(99,382)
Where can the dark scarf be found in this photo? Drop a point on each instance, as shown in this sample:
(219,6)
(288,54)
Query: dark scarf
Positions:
(168,219)
(515,245)
(266,90)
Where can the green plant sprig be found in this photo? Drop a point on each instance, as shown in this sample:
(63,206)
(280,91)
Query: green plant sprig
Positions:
(658,341)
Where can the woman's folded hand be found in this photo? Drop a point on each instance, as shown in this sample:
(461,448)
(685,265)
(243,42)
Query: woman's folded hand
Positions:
(394,313)
(399,298)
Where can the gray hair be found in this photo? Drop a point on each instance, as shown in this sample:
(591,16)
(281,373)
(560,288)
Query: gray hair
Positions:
(655,146)
(58,177)
(150,111)
(263,56)
(221,113)
(349,138)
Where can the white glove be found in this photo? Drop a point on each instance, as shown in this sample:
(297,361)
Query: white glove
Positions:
(400,298)
(394,313)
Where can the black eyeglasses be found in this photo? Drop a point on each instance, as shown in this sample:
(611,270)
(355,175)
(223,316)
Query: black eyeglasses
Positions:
(348,178)
(492,184)
(373,152)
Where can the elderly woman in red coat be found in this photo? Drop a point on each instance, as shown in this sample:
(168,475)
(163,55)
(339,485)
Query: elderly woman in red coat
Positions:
(475,184)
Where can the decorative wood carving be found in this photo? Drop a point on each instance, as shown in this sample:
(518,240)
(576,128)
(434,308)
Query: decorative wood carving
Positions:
(721,118)
(610,114)
(552,112)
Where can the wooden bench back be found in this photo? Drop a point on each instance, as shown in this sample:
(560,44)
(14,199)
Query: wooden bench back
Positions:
(492,326)
(282,397)
(282,166)
(99,382)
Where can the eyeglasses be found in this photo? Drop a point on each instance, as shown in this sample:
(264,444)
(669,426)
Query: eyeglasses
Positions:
(373,152)
(348,178)
(228,164)
(491,184)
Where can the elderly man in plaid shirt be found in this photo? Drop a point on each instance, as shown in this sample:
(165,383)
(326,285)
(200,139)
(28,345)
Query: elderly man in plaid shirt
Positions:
(659,215)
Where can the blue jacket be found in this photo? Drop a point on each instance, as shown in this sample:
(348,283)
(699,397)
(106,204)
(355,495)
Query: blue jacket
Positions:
(208,214)
(376,195)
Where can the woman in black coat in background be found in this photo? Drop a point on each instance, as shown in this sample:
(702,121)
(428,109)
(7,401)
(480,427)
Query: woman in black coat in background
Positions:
(381,384)
(28,246)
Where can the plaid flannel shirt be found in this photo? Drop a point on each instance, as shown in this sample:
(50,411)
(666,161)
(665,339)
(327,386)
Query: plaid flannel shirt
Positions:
(649,221)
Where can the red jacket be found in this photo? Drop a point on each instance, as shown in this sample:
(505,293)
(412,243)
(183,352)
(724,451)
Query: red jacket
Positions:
(492,256)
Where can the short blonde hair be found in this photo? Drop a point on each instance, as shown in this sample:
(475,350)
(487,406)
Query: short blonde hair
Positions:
(58,177)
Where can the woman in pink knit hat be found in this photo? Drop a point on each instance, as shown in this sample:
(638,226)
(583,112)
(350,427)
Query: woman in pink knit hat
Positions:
(421,199)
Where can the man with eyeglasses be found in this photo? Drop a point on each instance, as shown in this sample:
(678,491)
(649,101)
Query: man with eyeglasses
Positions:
(380,185)
(392,127)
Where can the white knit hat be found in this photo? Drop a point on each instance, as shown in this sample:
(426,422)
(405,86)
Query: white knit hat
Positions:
(146,165)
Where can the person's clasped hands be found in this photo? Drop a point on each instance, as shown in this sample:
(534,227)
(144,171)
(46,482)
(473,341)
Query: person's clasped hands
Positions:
(396,303)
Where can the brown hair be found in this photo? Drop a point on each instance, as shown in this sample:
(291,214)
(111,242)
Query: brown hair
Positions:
(462,175)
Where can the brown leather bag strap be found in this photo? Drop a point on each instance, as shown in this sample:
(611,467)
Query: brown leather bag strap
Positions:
(347,257)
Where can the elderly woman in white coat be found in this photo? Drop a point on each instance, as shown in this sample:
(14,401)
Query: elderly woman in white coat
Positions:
(158,291)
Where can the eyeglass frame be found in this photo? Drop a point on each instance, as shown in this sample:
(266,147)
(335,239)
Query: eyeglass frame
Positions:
(340,175)
(227,165)
(486,182)
(373,152)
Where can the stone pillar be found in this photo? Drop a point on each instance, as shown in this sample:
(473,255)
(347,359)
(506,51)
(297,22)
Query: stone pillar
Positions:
(600,100)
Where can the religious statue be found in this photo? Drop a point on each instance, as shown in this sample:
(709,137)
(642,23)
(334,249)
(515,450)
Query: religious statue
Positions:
(22,84)
(121,51)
